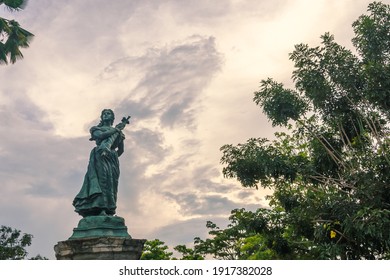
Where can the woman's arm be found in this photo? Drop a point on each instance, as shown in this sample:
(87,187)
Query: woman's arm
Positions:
(101,135)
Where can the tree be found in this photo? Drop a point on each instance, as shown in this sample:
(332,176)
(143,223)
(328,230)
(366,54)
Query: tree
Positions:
(251,236)
(188,253)
(330,172)
(224,244)
(12,36)
(13,244)
(156,250)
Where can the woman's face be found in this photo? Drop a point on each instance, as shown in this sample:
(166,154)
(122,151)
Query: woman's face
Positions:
(107,115)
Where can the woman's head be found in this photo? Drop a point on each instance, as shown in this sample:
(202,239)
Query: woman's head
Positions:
(107,115)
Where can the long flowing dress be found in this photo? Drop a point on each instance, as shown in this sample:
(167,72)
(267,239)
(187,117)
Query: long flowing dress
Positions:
(100,187)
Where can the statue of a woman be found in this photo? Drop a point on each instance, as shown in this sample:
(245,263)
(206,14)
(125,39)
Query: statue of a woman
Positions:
(98,194)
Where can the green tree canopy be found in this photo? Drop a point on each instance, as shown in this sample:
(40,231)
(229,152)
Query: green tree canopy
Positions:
(249,235)
(12,36)
(13,244)
(156,250)
(330,172)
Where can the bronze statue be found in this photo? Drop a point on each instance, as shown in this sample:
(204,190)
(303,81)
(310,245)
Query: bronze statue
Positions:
(98,194)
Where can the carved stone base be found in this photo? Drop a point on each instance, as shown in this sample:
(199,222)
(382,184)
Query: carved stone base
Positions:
(100,238)
(100,248)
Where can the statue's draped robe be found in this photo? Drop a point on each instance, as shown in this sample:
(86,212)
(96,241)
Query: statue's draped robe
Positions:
(99,190)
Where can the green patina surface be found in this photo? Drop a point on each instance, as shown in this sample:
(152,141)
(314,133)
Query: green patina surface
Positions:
(98,194)
(100,226)
(96,201)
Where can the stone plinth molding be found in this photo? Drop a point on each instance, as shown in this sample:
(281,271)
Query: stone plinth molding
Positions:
(100,248)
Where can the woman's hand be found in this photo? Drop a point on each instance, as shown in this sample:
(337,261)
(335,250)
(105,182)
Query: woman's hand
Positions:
(120,126)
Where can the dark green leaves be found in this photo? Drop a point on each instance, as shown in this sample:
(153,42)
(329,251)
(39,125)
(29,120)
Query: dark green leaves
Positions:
(279,104)
(156,250)
(256,161)
(17,38)
(372,35)
(12,36)
(14,5)
(372,41)
(13,243)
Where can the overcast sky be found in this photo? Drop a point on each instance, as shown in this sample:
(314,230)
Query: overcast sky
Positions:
(184,70)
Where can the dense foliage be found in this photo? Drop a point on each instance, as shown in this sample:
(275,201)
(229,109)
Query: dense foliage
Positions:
(330,168)
(249,235)
(156,250)
(13,244)
(12,36)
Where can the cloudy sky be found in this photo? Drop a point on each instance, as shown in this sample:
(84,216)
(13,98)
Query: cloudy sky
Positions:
(184,70)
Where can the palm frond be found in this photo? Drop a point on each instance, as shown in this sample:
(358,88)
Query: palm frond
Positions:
(3,54)
(14,5)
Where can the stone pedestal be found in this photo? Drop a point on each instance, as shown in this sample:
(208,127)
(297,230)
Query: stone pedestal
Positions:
(100,238)
(100,248)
